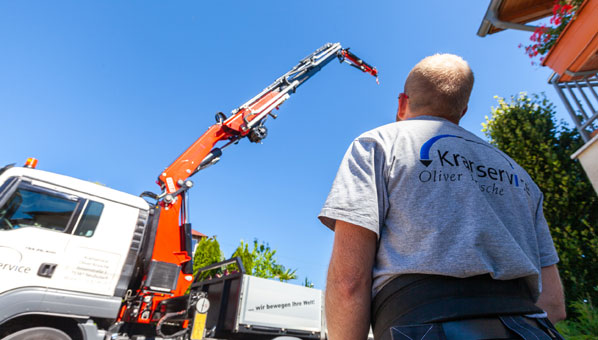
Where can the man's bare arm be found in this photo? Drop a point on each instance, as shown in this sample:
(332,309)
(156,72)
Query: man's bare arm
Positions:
(349,283)
(552,299)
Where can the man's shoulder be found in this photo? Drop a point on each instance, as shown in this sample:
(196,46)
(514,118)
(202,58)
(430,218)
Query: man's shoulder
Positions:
(379,132)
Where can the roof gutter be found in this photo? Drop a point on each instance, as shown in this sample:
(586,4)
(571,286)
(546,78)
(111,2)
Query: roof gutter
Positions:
(491,19)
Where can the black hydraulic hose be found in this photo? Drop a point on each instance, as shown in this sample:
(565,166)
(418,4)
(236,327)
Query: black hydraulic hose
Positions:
(166,317)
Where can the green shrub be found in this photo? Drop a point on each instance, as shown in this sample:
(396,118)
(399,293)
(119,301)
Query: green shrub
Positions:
(584,326)
(525,129)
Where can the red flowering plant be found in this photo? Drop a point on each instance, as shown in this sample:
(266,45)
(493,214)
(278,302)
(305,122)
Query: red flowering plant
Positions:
(544,37)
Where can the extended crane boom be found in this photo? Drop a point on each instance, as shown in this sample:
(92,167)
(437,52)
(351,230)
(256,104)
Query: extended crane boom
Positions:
(247,120)
(167,273)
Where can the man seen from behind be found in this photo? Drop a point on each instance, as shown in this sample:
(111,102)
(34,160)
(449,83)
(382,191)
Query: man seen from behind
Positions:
(438,234)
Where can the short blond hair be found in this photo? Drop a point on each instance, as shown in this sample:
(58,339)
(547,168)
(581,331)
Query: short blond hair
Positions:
(440,85)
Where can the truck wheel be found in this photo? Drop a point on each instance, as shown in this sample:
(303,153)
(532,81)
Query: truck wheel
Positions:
(38,333)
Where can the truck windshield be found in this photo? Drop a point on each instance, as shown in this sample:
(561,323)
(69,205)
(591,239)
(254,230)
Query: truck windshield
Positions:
(32,208)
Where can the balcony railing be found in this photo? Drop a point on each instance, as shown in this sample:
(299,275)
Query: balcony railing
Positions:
(580,98)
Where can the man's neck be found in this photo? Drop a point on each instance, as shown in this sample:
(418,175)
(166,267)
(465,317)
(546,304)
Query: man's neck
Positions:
(411,115)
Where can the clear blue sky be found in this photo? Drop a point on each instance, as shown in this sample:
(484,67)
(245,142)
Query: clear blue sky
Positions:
(113,91)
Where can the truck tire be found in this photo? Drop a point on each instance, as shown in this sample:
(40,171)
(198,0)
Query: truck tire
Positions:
(38,333)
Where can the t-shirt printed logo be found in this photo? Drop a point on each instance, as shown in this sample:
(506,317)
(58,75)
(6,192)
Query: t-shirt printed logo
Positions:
(452,163)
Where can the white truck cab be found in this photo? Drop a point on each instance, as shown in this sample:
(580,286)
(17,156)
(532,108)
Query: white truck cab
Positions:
(71,251)
(67,250)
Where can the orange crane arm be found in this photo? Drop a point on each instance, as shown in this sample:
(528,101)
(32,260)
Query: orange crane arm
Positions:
(172,242)
(248,119)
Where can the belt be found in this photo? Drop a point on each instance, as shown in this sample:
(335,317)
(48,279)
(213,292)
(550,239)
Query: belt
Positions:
(418,299)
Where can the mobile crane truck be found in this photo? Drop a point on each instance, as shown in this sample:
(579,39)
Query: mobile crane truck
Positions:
(82,261)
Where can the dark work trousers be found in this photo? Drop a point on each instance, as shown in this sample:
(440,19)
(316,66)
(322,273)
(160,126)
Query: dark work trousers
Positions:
(502,327)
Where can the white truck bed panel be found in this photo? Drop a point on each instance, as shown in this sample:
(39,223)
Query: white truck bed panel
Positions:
(269,303)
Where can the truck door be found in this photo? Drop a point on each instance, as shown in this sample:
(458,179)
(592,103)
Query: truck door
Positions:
(98,247)
(53,237)
(35,225)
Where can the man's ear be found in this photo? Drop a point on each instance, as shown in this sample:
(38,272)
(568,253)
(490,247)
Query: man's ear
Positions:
(402,109)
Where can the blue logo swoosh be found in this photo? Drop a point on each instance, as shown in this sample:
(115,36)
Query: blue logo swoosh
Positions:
(424,152)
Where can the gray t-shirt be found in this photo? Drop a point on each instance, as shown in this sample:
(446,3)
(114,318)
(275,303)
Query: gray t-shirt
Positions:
(442,201)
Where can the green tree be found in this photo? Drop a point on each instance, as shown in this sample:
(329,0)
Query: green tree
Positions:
(207,252)
(307,283)
(260,262)
(525,128)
